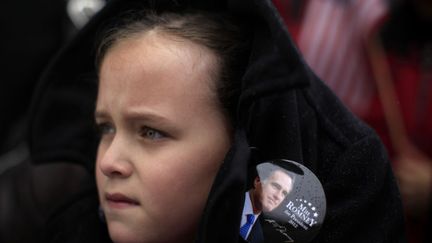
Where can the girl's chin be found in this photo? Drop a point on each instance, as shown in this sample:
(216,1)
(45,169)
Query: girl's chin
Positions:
(120,233)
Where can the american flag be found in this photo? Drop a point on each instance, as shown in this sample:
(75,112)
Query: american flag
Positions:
(332,38)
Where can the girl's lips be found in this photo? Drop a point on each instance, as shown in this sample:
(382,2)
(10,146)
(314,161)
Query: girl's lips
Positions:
(118,200)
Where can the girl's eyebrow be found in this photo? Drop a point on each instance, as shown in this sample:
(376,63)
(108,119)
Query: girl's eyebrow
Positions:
(145,115)
(100,114)
(140,115)
(134,115)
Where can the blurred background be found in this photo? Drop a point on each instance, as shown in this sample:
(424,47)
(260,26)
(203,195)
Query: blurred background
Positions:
(376,55)
(32,32)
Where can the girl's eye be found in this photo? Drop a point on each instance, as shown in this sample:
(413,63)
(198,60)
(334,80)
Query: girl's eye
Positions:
(150,133)
(105,128)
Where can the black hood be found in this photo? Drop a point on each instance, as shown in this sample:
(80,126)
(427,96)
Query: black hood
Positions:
(58,109)
(284,112)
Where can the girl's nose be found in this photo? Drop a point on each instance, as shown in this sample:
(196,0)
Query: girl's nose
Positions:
(113,160)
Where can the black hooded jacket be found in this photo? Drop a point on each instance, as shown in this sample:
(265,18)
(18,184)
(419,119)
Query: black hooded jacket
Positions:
(284,111)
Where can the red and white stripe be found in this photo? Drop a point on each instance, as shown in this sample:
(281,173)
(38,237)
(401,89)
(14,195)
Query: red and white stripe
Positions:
(332,40)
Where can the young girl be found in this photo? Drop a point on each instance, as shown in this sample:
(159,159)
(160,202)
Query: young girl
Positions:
(185,91)
(164,120)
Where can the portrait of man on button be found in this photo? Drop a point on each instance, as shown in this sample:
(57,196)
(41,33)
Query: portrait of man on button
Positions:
(270,187)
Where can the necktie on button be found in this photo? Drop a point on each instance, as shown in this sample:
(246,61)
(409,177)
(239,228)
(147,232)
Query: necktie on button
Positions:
(250,218)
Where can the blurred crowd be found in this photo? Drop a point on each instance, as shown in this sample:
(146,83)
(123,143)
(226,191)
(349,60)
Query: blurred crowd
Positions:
(376,55)
(32,33)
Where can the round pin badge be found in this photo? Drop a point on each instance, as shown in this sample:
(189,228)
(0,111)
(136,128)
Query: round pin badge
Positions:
(287,201)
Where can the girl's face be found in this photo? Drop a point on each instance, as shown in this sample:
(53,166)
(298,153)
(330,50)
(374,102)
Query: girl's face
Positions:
(163,137)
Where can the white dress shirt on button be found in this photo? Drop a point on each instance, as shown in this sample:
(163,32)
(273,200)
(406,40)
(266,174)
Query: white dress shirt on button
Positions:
(248,209)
